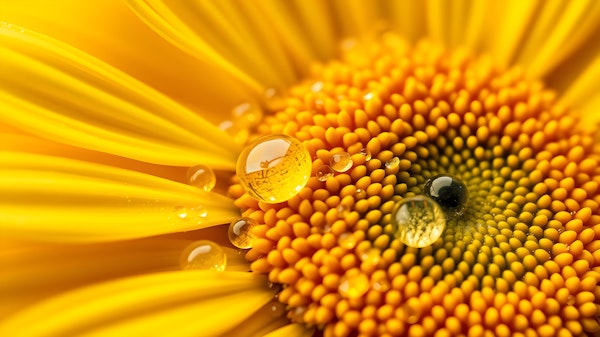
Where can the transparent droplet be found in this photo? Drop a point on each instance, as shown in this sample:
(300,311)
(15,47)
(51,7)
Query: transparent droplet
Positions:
(366,153)
(347,240)
(353,286)
(276,308)
(341,162)
(202,176)
(181,212)
(392,163)
(240,232)
(449,192)
(418,221)
(412,311)
(203,255)
(201,211)
(371,256)
(274,168)
(324,172)
(247,115)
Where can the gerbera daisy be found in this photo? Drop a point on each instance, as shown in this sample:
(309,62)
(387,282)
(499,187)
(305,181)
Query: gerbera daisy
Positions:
(306,168)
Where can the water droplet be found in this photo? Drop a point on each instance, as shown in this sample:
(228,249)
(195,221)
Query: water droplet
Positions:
(240,232)
(353,286)
(247,115)
(181,212)
(366,153)
(202,176)
(571,300)
(201,211)
(392,163)
(324,172)
(371,256)
(418,221)
(276,308)
(412,311)
(347,240)
(449,192)
(341,162)
(274,168)
(203,255)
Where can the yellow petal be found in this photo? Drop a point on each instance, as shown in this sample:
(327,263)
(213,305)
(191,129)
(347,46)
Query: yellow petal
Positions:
(126,43)
(58,199)
(187,303)
(292,330)
(55,91)
(233,37)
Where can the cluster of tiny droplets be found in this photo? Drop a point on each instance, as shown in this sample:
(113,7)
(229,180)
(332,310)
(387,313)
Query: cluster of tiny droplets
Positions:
(522,260)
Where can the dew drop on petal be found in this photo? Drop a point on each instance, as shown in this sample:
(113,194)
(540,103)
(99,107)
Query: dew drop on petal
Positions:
(366,153)
(203,255)
(353,286)
(181,212)
(201,211)
(392,163)
(341,162)
(240,233)
(418,221)
(324,172)
(202,176)
(274,168)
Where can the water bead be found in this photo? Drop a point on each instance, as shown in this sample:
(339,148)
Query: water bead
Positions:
(324,172)
(341,162)
(202,176)
(203,255)
(276,308)
(181,212)
(240,232)
(274,168)
(449,192)
(366,153)
(392,163)
(353,286)
(418,221)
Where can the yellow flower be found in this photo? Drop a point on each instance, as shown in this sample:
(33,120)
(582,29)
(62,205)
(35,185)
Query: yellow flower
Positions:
(105,106)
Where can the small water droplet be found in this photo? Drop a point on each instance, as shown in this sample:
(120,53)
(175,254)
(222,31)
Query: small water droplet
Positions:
(418,221)
(181,212)
(347,240)
(202,176)
(201,211)
(353,286)
(366,153)
(274,168)
(203,255)
(240,232)
(246,115)
(276,308)
(392,163)
(341,162)
(324,172)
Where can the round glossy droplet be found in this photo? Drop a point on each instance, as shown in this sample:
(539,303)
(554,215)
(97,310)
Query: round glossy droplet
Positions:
(276,308)
(203,255)
(324,172)
(418,221)
(353,286)
(392,163)
(341,162)
(181,212)
(240,233)
(449,192)
(202,177)
(366,153)
(274,168)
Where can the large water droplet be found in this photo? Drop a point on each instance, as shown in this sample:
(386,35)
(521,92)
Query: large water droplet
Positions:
(240,232)
(341,162)
(274,168)
(202,176)
(418,221)
(353,286)
(449,192)
(203,255)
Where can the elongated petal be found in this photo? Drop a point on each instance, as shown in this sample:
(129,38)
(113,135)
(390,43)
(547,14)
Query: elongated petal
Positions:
(57,199)
(291,330)
(233,37)
(187,303)
(63,94)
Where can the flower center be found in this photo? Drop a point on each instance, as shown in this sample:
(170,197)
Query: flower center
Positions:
(443,196)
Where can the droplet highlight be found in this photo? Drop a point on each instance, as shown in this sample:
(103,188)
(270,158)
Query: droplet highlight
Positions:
(341,162)
(324,172)
(274,168)
(240,233)
(202,176)
(353,286)
(181,212)
(203,255)
(418,221)
(366,153)
(392,163)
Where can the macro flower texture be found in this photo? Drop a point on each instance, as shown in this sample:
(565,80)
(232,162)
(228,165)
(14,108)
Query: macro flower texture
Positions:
(300,168)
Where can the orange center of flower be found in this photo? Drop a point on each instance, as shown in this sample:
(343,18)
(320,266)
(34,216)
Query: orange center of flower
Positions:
(521,259)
